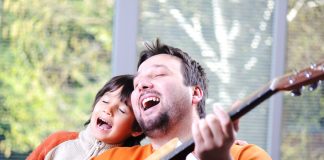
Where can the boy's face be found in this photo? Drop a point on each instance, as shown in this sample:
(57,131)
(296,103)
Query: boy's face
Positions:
(160,99)
(111,119)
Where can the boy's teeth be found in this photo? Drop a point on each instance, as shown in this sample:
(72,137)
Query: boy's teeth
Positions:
(103,120)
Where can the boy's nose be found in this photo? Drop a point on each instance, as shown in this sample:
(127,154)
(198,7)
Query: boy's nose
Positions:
(109,110)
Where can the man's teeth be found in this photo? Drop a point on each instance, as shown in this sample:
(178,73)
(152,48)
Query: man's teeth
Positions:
(153,99)
(150,99)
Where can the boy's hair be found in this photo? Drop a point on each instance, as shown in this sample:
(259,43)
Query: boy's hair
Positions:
(193,72)
(126,82)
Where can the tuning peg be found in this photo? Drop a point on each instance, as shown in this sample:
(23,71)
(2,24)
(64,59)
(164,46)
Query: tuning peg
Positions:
(313,65)
(291,80)
(313,86)
(296,92)
(307,74)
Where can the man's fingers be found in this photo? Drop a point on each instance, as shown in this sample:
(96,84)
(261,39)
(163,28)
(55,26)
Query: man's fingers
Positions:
(236,125)
(236,104)
(215,128)
(225,121)
(240,142)
(236,122)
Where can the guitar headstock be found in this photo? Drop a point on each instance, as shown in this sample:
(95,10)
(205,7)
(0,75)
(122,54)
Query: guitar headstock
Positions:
(294,82)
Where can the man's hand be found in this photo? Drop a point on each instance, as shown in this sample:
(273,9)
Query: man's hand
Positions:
(214,135)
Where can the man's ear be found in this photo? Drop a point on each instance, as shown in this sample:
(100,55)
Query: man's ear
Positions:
(197,94)
(136,133)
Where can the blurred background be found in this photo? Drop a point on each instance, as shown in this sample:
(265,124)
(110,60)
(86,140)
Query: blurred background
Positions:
(56,54)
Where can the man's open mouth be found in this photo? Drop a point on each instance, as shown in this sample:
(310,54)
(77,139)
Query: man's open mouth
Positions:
(150,102)
(103,124)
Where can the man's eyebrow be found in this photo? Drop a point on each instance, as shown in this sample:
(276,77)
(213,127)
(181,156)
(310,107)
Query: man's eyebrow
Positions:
(154,66)
(160,65)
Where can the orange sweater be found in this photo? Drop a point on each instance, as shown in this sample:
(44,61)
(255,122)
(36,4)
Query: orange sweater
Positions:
(50,142)
(238,152)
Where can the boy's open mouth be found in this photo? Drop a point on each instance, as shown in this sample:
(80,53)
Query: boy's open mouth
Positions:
(150,102)
(103,124)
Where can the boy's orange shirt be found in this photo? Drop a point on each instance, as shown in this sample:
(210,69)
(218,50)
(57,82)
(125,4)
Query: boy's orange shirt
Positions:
(50,142)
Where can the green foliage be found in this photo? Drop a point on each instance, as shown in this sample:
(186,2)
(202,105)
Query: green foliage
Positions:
(55,55)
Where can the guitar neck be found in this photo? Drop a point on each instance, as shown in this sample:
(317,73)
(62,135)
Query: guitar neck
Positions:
(186,148)
(251,103)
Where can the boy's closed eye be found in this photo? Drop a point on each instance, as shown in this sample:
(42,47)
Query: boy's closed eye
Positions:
(121,110)
(105,101)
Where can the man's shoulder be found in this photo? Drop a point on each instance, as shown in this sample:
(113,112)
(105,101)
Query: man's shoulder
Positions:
(134,152)
(248,151)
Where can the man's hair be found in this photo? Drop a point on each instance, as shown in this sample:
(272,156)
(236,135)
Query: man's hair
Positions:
(126,82)
(193,72)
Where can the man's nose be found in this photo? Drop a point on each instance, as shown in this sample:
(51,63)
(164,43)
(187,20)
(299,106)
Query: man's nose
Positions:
(145,84)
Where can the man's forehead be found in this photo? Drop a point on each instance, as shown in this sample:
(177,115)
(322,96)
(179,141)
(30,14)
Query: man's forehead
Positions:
(156,65)
(168,62)
(159,60)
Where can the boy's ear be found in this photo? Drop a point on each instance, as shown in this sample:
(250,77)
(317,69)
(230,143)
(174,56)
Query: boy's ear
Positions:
(136,133)
(197,94)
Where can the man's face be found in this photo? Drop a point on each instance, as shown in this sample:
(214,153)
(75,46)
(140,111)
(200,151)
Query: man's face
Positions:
(160,98)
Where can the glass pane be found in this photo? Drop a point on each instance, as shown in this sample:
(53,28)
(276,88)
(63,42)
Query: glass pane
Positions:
(303,117)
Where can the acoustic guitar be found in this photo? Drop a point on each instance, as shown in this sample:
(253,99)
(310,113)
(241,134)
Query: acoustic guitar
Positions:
(290,82)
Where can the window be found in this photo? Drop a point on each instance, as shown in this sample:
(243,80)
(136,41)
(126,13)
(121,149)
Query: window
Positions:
(231,39)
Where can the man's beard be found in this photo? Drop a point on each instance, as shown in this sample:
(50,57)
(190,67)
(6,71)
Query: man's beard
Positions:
(157,126)
(169,116)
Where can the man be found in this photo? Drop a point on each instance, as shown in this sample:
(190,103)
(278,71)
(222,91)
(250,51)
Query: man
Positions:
(168,102)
